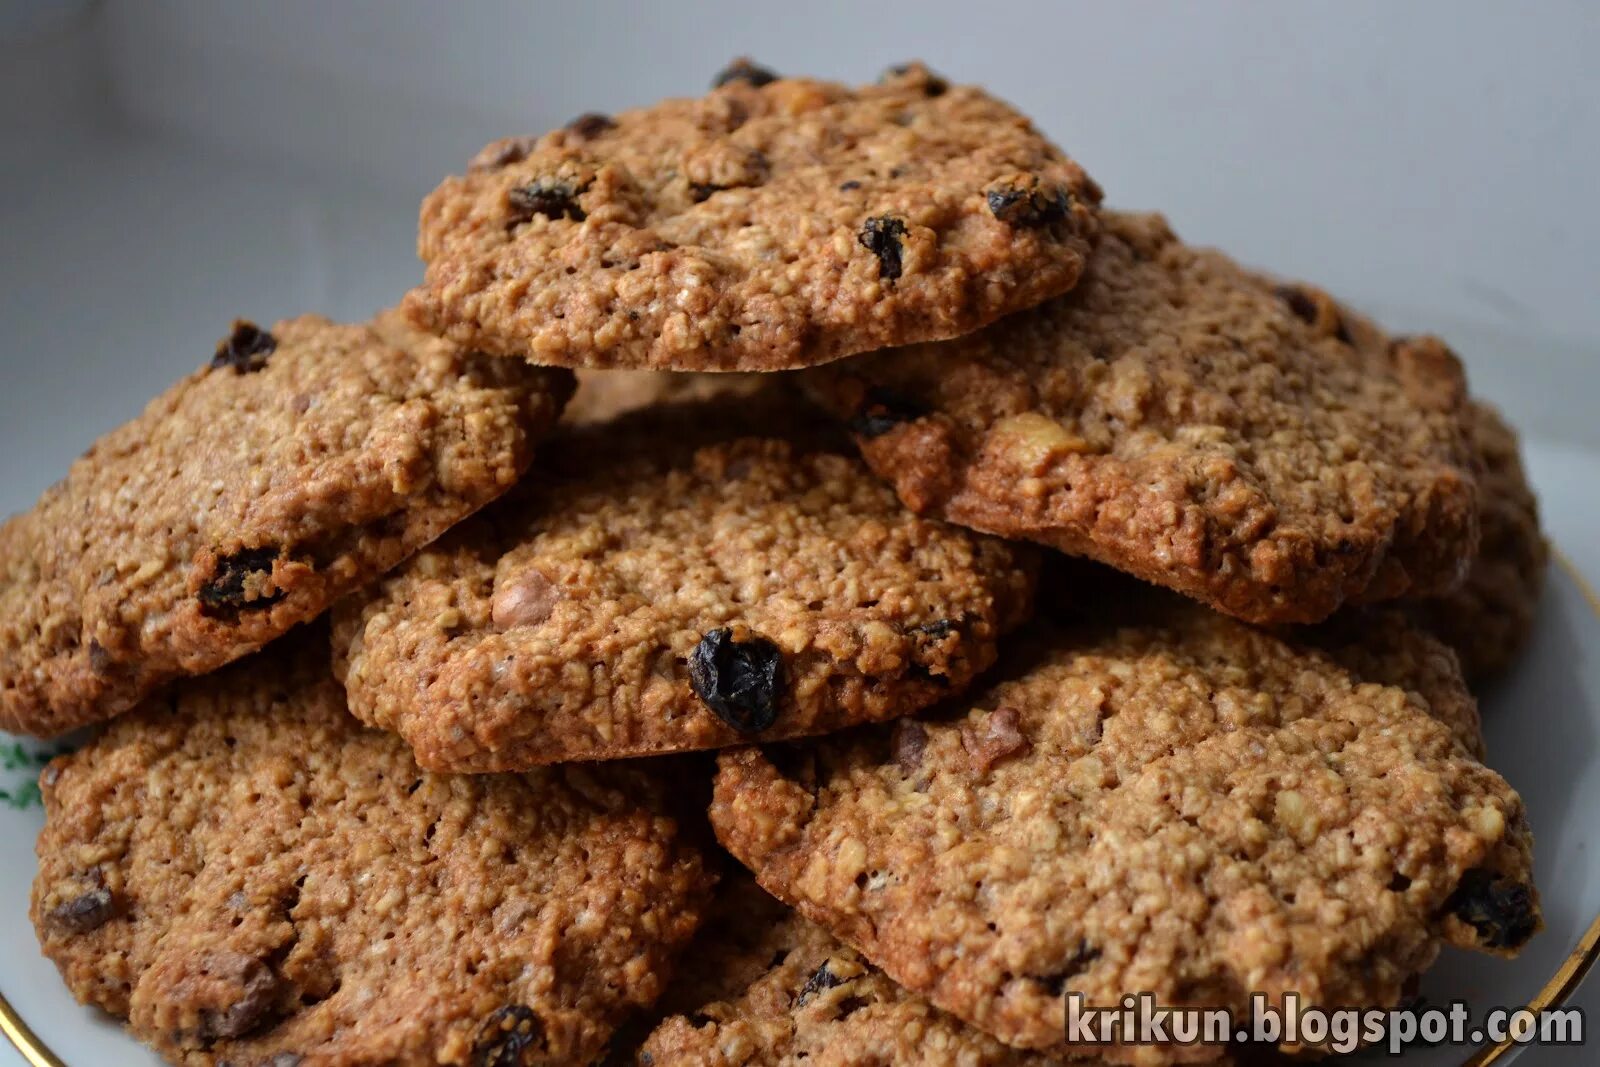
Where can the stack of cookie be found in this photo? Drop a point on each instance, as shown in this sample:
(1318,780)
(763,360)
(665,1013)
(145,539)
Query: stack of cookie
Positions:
(1073,613)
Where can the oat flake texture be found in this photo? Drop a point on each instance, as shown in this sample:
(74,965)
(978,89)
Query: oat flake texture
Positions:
(668,583)
(301,463)
(1248,443)
(247,875)
(763,987)
(760,227)
(1489,618)
(1172,803)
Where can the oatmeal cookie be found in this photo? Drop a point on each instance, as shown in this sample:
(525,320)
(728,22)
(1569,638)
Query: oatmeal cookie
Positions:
(658,589)
(301,463)
(247,875)
(1248,443)
(765,988)
(773,223)
(1489,617)
(1182,806)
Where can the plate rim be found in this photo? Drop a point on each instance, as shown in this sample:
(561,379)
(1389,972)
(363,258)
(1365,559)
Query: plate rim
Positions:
(1576,966)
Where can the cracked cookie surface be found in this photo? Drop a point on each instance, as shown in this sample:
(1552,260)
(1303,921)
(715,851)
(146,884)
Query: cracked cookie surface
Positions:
(773,223)
(1169,803)
(249,496)
(247,875)
(1250,444)
(661,588)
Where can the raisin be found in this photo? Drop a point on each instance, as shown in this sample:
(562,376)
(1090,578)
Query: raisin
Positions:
(928,641)
(1299,303)
(550,197)
(1503,913)
(1029,207)
(882,236)
(821,979)
(907,741)
(258,993)
(510,1037)
(932,84)
(86,912)
(99,659)
(591,124)
(1315,309)
(845,187)
(882,410)
(743,70)
(738,680)
(227,593)
(502,153)
(700,192)
(245,349)
(1056,984)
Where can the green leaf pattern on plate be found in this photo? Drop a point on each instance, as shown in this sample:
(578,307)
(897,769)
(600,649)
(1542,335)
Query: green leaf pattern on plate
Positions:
(22,761)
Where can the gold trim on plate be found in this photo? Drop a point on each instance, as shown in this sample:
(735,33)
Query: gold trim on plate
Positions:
(1570,974)
(26,1041)
(1556,991)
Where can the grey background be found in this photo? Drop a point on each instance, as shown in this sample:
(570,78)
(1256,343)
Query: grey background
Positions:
(167,165)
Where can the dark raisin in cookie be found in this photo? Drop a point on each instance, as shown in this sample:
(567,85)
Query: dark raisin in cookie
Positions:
(247,875)
(669,584)
(1250,444)
(773,223)
(303,462)
(1162,800)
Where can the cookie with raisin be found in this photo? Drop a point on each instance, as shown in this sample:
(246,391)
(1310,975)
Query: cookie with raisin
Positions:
(298,464)
(763,987)
(773,223)
(671,582)
(1248,443)
(1160,800)
(245,874)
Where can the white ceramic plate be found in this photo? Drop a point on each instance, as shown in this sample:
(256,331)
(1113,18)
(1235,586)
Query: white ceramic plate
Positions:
(1543,727)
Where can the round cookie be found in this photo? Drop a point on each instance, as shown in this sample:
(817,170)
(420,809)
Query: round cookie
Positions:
(765,988)
(773,223)
(1249,444)
(247,498)
(1180,805)
(661,587)
(247,875)
(1489,617)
